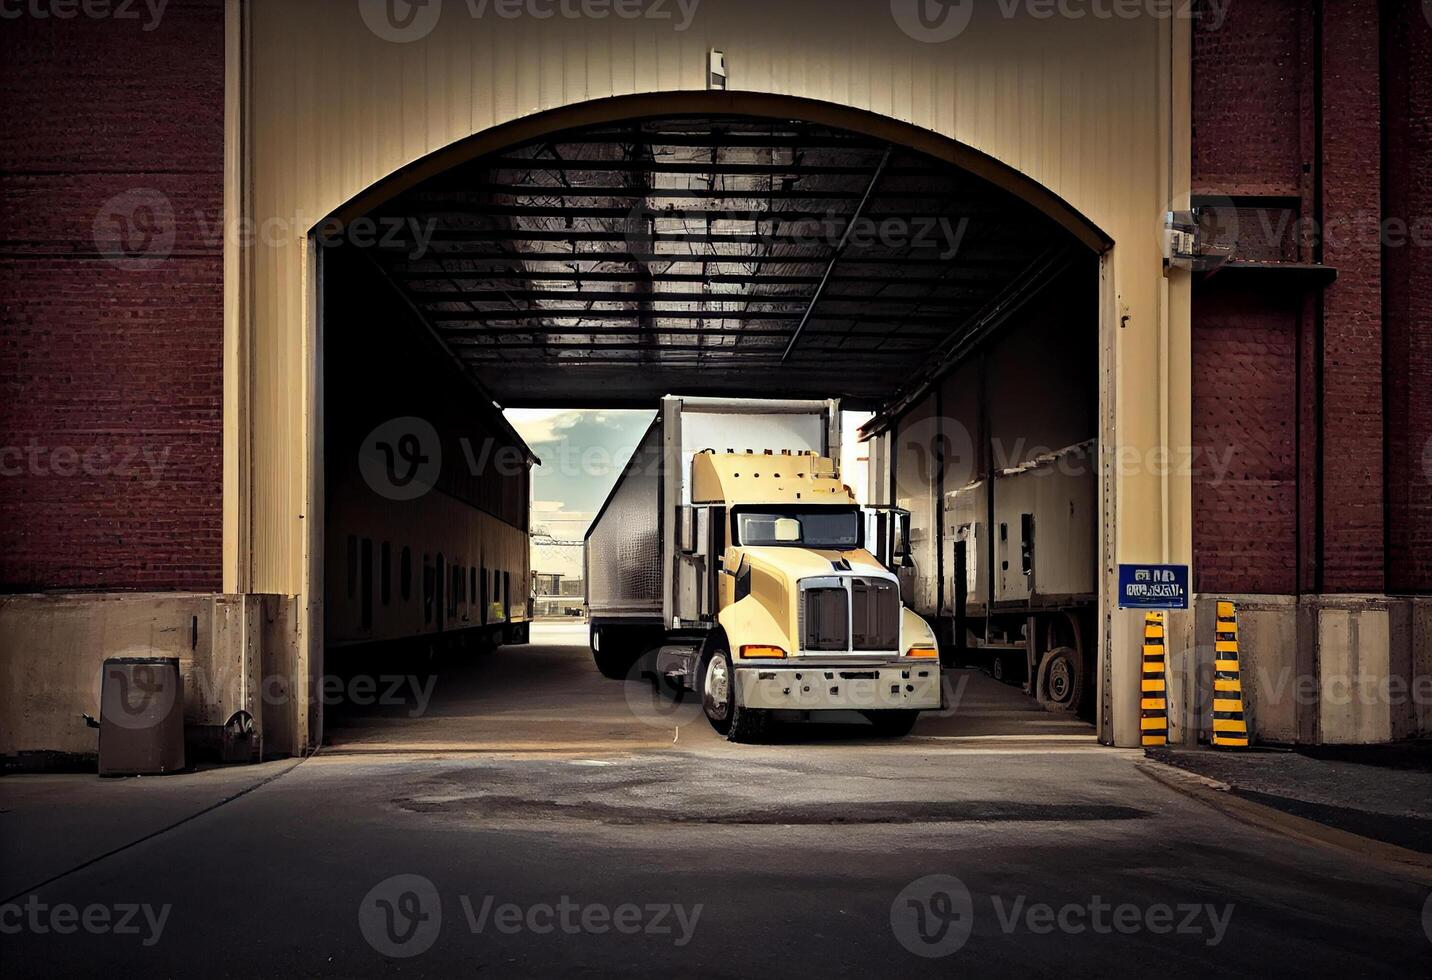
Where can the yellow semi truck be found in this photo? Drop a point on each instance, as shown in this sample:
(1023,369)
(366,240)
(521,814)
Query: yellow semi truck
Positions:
(731,560)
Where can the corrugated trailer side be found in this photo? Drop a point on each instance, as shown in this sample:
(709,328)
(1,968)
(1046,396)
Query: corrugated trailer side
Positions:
(622,554)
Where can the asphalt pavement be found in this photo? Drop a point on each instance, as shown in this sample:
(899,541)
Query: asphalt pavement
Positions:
(534,819)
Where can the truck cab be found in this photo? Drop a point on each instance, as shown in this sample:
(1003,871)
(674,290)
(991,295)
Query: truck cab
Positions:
(808,619)
(772,600)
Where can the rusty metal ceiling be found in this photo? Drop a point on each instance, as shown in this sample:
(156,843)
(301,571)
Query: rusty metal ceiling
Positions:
(612,265)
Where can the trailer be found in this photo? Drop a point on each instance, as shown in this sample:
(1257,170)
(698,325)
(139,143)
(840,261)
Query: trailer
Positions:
(1021,581)
(729,559)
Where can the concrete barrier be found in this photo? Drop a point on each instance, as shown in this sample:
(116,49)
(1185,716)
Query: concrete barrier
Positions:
(237,653)
(1323,669)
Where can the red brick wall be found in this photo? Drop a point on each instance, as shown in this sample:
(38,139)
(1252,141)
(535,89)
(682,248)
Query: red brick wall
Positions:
(111,362)
(1326,393)
(1407,48)
(1249,136)
(1352,419)
(1246,125)
(1244,356)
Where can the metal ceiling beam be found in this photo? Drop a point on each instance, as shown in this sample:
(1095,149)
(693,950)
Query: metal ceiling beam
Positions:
(434,209)
(836,254)
(489,316)
(702,169)
(791,236)
(616,296)
(459,336)
(723,140)
(958,274)
(771,352)
(683,193)
(457,253)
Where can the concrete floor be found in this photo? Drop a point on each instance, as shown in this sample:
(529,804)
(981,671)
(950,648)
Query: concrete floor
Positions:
(1389,804)
(530,822)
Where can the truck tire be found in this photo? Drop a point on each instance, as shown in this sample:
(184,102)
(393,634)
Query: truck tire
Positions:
(613,666)
(1064,680)
(893,722)
(717,682)
(614,659)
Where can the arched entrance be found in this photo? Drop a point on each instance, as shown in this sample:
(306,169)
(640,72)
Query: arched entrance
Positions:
(323,111)
(706,252)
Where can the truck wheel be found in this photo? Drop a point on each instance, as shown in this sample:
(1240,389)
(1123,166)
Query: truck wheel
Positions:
(892,723)
(613,666)
(1063,685)
(718,700)
(614,662)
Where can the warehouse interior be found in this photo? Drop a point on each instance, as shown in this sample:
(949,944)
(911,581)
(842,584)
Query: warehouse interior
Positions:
(607,266)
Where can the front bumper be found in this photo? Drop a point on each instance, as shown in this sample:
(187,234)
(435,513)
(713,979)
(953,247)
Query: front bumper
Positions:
(836,687)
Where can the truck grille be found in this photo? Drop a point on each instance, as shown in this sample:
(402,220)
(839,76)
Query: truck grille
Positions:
(849,615)
(875,614)
(825,620)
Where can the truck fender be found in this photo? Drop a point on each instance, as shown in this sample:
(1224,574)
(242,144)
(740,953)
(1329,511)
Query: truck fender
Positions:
(747,621)
(914,630)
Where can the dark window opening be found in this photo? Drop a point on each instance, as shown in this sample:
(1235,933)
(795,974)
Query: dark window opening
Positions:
(385,573)
(439,587)
(428,581)
(366,574)
(405,575)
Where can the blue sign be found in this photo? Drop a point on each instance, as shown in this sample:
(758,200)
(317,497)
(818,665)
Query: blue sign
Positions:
(1153,586)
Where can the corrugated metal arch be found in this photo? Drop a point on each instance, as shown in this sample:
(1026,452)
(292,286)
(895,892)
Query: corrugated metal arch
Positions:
(758,104)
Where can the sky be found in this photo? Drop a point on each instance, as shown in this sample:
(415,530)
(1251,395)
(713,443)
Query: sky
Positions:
(583,451)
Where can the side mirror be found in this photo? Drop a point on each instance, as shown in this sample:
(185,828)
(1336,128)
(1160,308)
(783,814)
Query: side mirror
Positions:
(901,551)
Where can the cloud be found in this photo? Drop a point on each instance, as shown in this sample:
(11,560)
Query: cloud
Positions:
(587,427)
(582,452)
(541,425)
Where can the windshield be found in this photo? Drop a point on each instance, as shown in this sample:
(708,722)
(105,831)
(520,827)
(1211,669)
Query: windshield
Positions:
(806,527)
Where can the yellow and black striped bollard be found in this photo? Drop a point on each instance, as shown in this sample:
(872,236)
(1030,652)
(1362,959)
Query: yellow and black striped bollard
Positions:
(1230,724)
(1153,702)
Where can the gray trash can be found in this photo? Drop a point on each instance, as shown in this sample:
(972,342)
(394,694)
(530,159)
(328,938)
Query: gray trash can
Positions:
(141,720)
